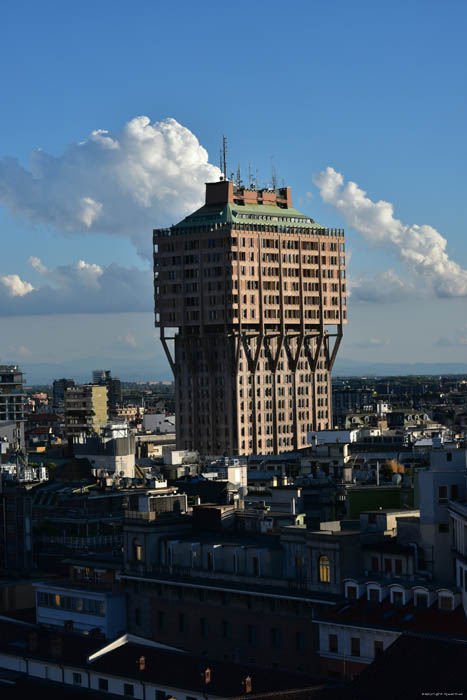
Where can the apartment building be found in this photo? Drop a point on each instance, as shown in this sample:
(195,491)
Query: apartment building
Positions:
(85,410)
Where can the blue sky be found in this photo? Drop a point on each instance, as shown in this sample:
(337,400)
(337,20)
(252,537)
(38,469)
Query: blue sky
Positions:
(374,90)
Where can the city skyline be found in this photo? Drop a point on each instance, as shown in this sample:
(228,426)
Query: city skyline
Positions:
(92,177)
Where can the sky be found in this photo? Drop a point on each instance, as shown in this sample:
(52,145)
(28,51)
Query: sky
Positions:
(111,122)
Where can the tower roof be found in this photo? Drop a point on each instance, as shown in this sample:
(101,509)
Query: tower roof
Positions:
(226,203)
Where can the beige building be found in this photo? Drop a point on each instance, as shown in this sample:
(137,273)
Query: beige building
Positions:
(85,409)
(250,299)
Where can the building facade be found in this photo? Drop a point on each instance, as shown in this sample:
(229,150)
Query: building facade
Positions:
(12,404)
(250,299)
(85,410)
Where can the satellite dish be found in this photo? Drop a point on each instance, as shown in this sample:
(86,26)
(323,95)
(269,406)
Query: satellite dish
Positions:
(396,479)
(243,491)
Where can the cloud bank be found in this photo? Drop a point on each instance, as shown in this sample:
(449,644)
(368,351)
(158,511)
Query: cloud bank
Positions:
(422,248)
(385,288)
(125,184)
(81,287)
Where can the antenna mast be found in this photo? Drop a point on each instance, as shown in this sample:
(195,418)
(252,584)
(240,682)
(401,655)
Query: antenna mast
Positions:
(224,155)
(273,174)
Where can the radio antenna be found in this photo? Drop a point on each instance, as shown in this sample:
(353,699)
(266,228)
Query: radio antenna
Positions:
(224,155)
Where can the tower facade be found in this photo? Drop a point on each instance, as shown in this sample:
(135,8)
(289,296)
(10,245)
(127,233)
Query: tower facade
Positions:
(250,299)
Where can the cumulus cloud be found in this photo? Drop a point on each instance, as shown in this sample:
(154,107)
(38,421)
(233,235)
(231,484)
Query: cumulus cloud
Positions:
(15,286)
(80,287)
(422,248)
(384,288)
(125,184)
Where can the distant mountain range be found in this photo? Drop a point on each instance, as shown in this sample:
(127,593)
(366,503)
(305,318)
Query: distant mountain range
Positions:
(359,368)
(156,369)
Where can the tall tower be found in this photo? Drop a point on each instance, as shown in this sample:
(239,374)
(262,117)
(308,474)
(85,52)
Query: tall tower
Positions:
(250,302)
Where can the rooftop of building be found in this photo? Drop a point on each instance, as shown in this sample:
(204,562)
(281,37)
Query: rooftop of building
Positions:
(385,615)
(164,666)
(227,203)
(186,671)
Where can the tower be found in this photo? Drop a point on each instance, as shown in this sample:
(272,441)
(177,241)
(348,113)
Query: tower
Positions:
(250,302)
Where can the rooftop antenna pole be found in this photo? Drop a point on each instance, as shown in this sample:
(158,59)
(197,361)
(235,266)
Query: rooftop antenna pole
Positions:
(257,179)
(273,174)
(224,155)
(250,177)
(239,178)
(220,163)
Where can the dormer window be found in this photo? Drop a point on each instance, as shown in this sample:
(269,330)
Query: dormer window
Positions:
(445,603)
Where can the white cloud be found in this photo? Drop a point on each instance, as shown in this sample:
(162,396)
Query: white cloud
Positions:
(37,265)
(80,287)
(15,286)
(127,183)
(422,248)
(386,287)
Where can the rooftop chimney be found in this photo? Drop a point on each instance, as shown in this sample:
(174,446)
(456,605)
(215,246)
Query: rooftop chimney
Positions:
(206,676)
(247,684)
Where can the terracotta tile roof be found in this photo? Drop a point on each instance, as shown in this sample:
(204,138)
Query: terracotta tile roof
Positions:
(405,618)
(180,670)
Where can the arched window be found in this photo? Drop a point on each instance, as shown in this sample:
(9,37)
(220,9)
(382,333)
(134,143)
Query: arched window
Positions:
(137,550)
(324,569)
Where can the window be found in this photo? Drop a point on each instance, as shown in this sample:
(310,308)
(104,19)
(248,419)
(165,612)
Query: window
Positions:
(103,684)
(442,494)
(421,600)
(255,566)
(397,598)
(454,492)
(398,566)
(275,637)
(181,622)
(299,641)
(374,564)
(445,603)
(137,550)
(373,595)
(161,619)
(333,643)
(225,629)
(203,625)
(388,566)
(355,646)
(378,648)
(324,569)
(77,680)
(372,518)
(160,695)
(443,527)
(351,592)
(137,616)
(129,689)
